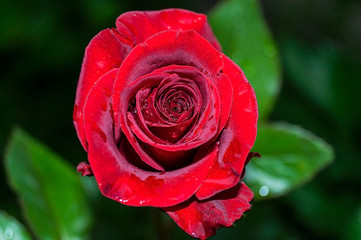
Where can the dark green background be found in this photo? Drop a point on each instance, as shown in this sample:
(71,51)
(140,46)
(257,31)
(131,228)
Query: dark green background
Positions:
(41,50)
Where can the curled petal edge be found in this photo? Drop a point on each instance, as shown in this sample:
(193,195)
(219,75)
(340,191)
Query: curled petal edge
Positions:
(200,219)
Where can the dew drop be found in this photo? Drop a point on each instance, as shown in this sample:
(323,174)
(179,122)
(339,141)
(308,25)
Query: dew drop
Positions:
(213,128)
(174,135)
(263,191)
(218,143)
(194,235)
(8,233)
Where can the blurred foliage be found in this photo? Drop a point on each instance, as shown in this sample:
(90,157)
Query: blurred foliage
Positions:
(41,49)
(10,228)
(245,38)
(290,156)
(51,193)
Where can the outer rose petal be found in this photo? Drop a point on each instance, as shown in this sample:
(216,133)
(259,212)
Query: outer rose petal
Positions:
(122,181)
(138,26)
(105,52)
(237,139)
(201,218)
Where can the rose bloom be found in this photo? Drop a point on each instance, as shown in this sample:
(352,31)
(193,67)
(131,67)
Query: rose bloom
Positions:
(167,119)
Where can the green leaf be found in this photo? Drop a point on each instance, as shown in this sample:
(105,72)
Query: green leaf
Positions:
(353,231)
(324,76)
(10,228)
(244,36)
(290,157)
(52,197)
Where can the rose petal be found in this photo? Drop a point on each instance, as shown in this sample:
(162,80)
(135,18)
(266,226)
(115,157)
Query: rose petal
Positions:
(171,156)
(105,52)
(108,49)
(238,137)
(200,219)
(182,48)
(139,26)
(117,178)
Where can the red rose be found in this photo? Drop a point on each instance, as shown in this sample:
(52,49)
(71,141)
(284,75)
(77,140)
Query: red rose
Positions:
(167,119)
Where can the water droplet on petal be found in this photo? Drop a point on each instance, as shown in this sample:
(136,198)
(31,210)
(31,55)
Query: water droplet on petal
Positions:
(263,191)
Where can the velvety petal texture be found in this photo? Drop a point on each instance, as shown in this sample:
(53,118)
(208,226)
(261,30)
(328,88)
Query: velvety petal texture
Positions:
(200,219)
(167,119)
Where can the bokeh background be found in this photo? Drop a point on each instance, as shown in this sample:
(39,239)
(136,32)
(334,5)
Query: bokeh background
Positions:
(41,49)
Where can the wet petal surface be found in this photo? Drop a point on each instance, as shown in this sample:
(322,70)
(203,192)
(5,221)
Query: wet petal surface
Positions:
(200,219)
